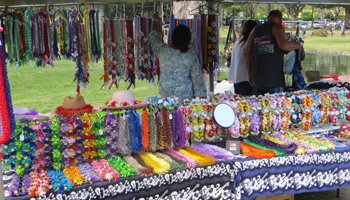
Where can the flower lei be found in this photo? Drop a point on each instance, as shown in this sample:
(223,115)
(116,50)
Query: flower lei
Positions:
(190,162)
(286,114)
(316,113)
(122,167)
(88,138)
(197,123)
(244,118)
(201,159)
(276,108)
(159,165)
(100,136)
(140,170)
(73,175)
(218,153)
(112,129)
(104,170)
(296,101)
(59,182)
(88,173)
(68,145)
(289,149)
(39,183)
(56,143)
(135,131)
(325,107)
(43,145)
(255,120)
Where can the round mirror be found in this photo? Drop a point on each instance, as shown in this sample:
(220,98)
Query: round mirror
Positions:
(224,115)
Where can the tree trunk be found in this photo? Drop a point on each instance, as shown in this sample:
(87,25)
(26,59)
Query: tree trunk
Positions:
(347,16)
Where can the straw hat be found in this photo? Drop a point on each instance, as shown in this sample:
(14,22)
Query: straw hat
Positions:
(124,99)
(73,105)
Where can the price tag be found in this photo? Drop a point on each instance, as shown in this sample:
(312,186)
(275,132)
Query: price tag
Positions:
(21,137)
(100,132)
(170,116)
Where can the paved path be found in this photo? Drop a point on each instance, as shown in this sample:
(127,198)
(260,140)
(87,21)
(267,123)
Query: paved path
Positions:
(327,195)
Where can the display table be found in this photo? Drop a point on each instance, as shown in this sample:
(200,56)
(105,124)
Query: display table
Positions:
(197,183)
(291,174)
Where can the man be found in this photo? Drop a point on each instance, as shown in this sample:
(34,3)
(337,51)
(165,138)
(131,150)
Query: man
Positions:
(265,51)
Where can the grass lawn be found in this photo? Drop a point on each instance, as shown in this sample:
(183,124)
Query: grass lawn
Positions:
(330,43)
(44,89)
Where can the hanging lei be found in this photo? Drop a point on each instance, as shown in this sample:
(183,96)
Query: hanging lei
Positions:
(93,35)
(129,52)
(28,16)
(145,130)
(255,120)
(112,130)
(213,48)
(161,137)
(63,33)
(8,124)
(89,143)
(306,115)
(137,45)
(68,139)
(178,129)
(124,170)
(43,145)
(113,58)
(124,135)
(19,38)
(56,143)
(44,24)
(9,36)
(100,136)
(54,31)
(135,131)
(121,45)
(153,139)
(105,76)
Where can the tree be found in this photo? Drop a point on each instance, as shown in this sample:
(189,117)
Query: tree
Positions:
(293,10)
(347,16)
(251,10)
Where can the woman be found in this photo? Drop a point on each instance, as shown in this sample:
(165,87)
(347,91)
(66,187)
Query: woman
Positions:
(180,71)
(238,72)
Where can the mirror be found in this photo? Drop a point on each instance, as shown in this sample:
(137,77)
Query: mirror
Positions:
(224,115)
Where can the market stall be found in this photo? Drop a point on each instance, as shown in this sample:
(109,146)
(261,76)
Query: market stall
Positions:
(284,144)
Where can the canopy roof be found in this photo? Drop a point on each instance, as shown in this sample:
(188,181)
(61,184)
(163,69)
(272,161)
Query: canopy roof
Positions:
(14,3)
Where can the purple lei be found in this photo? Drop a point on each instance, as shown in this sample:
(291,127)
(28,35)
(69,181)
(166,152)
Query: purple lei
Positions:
(288,148)
(88,173)
(111,129)
(179,132)
(14,188)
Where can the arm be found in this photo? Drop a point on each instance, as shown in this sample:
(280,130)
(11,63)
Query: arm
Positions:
(278,33)
(155,39)
(198,85)
(249,46)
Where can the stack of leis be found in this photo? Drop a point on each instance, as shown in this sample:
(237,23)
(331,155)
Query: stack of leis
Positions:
(296,115)
(342,103)
(39,183)
(197,123)
(104,171)
(256,143)
(190,163)
(244,117)
(276,108)
(312,141)
(18,186)
(278,138)
(140,169)
(254,152)
(88,173)
(89,143)
(255,120)
(73,175)
(316,113)
(211,131)
(59,182)
(214,151)
(286,115)
(159,166)
(333,112)
(266,115)
(175,164)
(325,107)
(306,114)
(124,170)
(200,158)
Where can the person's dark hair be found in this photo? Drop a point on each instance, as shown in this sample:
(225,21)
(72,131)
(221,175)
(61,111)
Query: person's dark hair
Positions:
(247,28)
(181,38)
(275,13)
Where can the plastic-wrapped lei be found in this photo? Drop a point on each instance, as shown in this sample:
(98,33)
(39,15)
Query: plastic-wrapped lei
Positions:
(43,145)
(25,149)
(100,135)
(111,130)
(56,143)
(124,170)
(58,181)
(88,142)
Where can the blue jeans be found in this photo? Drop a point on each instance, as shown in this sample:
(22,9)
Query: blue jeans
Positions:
(262,91)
